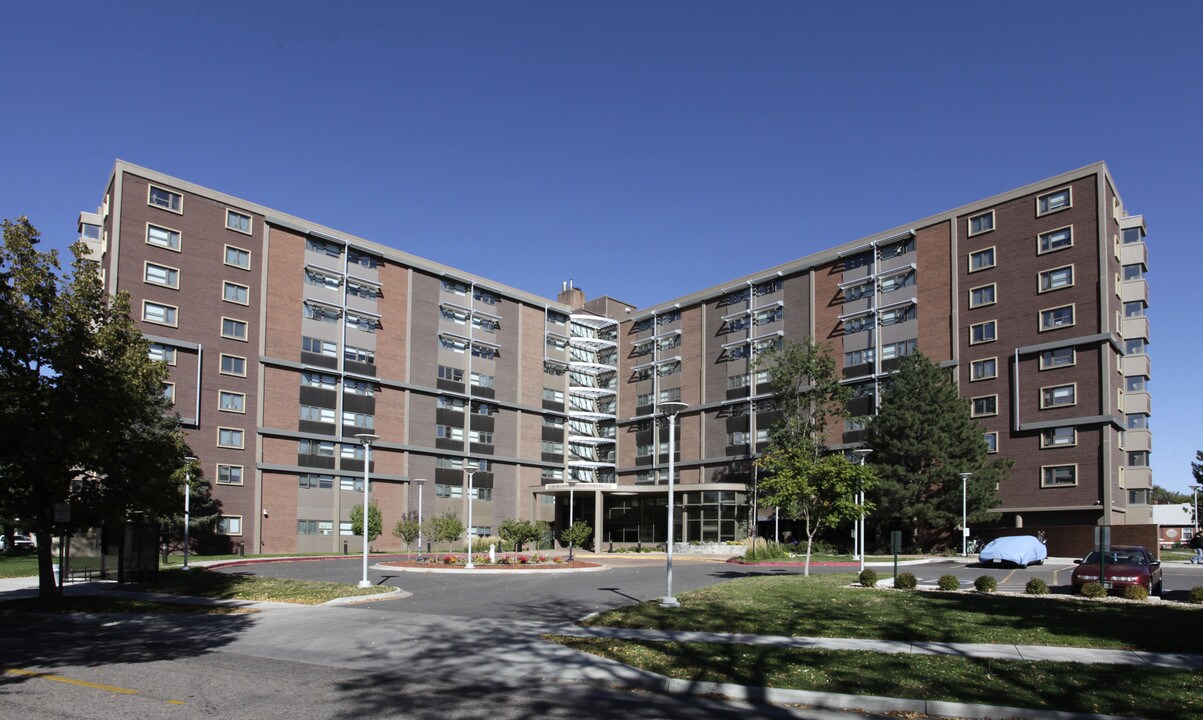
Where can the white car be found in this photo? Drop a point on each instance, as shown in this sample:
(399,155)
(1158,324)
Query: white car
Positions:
(20,543)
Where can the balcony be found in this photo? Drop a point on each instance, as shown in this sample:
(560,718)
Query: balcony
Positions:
(1137,402)
(1134,254)
(1136,440)
(1137,365)
(1136,327)
(1131,290)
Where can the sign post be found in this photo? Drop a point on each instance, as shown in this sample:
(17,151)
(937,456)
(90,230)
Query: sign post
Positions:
(896,545)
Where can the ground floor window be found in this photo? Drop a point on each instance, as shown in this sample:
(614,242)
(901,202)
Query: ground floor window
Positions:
(715,515)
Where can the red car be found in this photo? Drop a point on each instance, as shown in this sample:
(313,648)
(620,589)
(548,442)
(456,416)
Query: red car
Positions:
(1123,565)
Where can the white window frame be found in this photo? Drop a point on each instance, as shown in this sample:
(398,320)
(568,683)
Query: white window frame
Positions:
(174,314)
(1044,469)
(250,222)
(228,467)
(1052,445)
(969,232)
(169,272)
(995,436)
(1044,327)
(993,295)
(1053,405)
(225,257)
(1073,353)
(221,365)
(973,376)
(993,250)
(972,341)
(1040,284)
(245,326)
(973,409)
(241,401)
(241,435)
(1040,249)
(227,284)
(169,353)
(226,519)
(179,238)
(1067,190)
(169,392)
(178,210)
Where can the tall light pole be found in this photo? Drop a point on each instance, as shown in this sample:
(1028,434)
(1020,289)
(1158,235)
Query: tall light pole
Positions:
(189,460)
(965,514)
(1195,491)
(421,484)
(861,454)
(471,469)
(367,439)
(571,487)
(670,409)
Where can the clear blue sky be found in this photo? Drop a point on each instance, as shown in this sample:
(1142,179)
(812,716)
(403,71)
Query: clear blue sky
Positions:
(625,145)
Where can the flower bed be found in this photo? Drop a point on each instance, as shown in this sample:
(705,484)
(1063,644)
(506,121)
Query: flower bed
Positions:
(520,561)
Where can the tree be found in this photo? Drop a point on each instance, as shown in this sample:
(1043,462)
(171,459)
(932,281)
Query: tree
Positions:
(375,524)
(818,493)
(204,511)
(807,392)
(1162,496)
(923,437)
(83,415)
(576,535)
(519,532)
(445,528)
(408,528)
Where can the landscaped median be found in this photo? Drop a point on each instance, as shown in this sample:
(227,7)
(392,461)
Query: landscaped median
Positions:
(827,606)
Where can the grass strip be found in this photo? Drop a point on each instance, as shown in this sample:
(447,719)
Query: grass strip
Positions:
(199,582)
(106,604)
(1133,691)
(824,606)
(15,566)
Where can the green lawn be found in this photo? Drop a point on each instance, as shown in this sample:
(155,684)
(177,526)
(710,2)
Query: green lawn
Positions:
(199,582)
(823,606)
(1131,691)
(14,566)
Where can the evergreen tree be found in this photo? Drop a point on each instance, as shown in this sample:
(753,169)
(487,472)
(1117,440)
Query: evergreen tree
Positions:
(204,511)
(82,411)
(922,438)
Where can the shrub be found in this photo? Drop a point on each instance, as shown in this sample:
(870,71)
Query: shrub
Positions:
(766,550)
(949,582)
(1136,592)
(481,543)
(1036,586)
(986,584)
(906,581)
(867,577)
(1196,595)
(1093,590)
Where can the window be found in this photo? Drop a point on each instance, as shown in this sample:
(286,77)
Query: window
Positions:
(485,296)
(162,353)
(983,369)
(450,403)
(1138,458)
(1135,383)
(237,257)
(229,525)
(480,436)
(979,224)
(362,259)
(981,260)
(231,401)
(312,481)
(159,314)
(857,357)
(360,355)
(365,323)
(643,399)
(983,295)
(315,527)
(1058,475)
(238,221)
(859,291)
(351,451)
(319,347)
(1133,235)
(670,395)
(1135,309)
(229,474)
(760,317)
(1059,437)
(448,432)
(481,380)
(1137,421)
(894,282)
(321,246)
(345,528)
(169,392)
(166,199)
(983,332)
(1134,272)
(551,395)
(985,406)
(894,250)
(233,365)
(456,375)
(455,288)
(320,448)
(1054,201)
(485,409)
(1135,346)
(162,237)
(553,421)
(1058,396)
(553,447)
(857,324)
(320,312)
(161,275)
(1054,318)
(233,329)
(991,439)
(898,315)
(313,276)
(890,351)
(1057,278)
(1055,240)
(1061,357)
(229,438)
(235,293)
(363,290)
(359,387)
(313,413)
(359,420)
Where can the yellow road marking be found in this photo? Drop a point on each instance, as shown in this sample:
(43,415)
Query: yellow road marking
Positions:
(1010,575)
(82,683)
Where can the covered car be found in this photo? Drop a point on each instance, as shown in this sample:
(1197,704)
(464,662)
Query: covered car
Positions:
(1021,550)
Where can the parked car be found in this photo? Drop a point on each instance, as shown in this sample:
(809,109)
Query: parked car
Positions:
(1020,550)
(1123,565)
(21,543)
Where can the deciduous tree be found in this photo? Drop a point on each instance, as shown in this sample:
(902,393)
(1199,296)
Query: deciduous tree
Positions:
(375,522)
(519,532)
(408,529)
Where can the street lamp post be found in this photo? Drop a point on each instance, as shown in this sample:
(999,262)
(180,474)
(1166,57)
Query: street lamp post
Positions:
(367,439)
(965,514)
(671,409)
(188,504)
(571,487)
(421,486)
(1195,491)
(471,469)
(861,454)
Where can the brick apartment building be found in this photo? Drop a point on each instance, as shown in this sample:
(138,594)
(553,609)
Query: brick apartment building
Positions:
(286,339)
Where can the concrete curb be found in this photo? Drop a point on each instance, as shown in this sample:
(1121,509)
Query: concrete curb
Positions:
(478,570)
